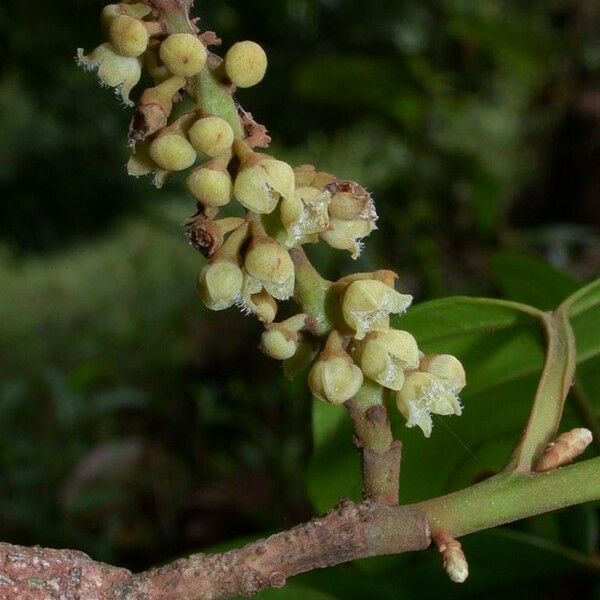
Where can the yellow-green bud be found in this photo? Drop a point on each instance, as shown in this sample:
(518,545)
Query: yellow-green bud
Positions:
(211,136)
(261,182)
(112,11)
(385,355)
(446,368)
(211,184)
(275,344)
(171,151)
(263,306)
(423,395)
(368,303)
(114,70)
(334,377)
(183,54)
(347,235)
(246,64)
(281,340)
(220,284)
(269,266)
(352,204)
(128,36)
(308,176)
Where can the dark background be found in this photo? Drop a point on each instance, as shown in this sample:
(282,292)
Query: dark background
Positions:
(134,424)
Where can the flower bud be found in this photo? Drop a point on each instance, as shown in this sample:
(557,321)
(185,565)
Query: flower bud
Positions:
(114,70)
(308,176)
(261,182)
(128,35)
(112,11)
(385,355)
(446,368)
(334,377)
(211,135)
(347,235)
(269,266)
(155,106)
(245,64)
(208,235)
(423,395)
(281,340)
(220,284)
(171,151)
(263,306)
(183,54)
(368,303)
(211,184)
(350,202)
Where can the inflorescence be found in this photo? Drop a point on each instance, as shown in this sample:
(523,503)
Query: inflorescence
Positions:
(187,120)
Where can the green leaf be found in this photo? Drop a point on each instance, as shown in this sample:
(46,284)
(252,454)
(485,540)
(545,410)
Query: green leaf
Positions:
(583,309)
(531,280)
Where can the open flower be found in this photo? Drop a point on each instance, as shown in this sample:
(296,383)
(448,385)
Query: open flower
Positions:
(421,396)
(367,305)
(114,70)
(305,215)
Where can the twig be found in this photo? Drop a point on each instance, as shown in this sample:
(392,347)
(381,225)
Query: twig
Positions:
(349,532)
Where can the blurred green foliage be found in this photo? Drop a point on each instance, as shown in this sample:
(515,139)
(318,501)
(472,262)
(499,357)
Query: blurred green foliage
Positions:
(136,426)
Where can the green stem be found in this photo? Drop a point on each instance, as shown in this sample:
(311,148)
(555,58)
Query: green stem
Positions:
(312,293)
(509,497)
(216,99)
(557,377)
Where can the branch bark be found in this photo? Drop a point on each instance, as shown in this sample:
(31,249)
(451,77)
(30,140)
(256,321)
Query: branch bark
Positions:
(349,532)
(380,453)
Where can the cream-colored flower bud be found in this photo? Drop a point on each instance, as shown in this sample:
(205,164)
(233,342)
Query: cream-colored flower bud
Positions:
(112,11)
(128,35)
(334,377)
(171,151)
(308,176)
(352,205)
(114,70)
(220,284)
(262,181)
(211,136)
(275,344)
(281,340)
(347,235)
(211,184)
(183,54)
(423,395)
(246,64)
(263,305)
(368,303)
(446,368)
(385,355)
(270,267)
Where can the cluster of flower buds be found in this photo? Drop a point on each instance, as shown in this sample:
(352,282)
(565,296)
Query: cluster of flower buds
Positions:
(249,256)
